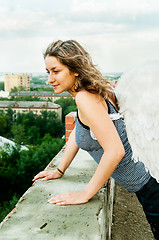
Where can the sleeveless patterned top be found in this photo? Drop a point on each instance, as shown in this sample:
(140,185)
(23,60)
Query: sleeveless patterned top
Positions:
(129,174)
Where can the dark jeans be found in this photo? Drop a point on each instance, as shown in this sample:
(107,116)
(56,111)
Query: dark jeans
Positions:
(148,196)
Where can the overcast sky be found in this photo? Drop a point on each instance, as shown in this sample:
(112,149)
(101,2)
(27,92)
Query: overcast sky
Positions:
(117,33)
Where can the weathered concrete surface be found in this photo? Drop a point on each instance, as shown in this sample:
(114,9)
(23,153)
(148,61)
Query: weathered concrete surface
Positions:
(36,219)
(129,221)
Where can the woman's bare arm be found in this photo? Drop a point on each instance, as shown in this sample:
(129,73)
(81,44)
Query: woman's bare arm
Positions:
(69,154)
(94,114)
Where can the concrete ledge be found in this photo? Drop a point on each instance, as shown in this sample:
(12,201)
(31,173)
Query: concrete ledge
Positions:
(35,219)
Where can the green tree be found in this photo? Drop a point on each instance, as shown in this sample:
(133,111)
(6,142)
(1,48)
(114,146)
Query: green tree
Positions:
(13,90)
(8,171)
(10,120)
(7,206)
(68,105)
(36,159)
(49,122)
(4,99)
(33,135)
(2,86)
(25,98)
(54,125)
(17,167)
(18,132)
(28,120)
(2,112)
(16,89)
(3,124)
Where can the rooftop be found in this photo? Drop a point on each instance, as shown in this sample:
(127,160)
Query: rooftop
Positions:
(40,93)
(29,104)
(4,141)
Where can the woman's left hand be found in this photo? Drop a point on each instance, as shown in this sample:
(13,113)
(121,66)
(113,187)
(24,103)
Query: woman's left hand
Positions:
(69,198)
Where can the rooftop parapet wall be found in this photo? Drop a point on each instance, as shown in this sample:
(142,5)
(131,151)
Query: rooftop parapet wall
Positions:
(35,218)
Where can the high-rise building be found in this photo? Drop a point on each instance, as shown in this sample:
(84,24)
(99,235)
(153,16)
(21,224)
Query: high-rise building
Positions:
(17,80)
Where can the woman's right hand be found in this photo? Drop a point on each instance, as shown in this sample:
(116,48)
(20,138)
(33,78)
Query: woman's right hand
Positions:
(47,175)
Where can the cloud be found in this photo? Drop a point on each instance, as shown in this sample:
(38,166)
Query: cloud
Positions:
(113,31)
(24,23)
(97,17)
(120,8)
(36,18)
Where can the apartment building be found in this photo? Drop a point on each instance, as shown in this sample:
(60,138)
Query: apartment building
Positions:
(27,106)
(43,95)
(17,80)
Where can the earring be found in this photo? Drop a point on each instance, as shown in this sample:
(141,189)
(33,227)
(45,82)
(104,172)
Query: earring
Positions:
(76,84)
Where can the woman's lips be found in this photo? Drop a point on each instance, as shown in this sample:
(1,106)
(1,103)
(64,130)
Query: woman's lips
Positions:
(54,86)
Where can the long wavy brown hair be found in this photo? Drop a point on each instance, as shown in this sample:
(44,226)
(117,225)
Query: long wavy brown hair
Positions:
(73,55)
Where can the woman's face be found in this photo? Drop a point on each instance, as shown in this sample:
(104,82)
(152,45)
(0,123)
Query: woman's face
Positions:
(60,77)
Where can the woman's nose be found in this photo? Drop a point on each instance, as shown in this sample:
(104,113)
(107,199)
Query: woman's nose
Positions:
(51,78)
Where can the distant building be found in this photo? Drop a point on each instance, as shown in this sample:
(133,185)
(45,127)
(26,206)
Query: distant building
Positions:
(27,106)
(33,86)
(43,95)
(4,94)
(5,141)
(17,80)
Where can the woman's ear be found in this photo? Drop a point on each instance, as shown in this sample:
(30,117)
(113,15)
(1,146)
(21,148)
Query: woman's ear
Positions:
(76,74)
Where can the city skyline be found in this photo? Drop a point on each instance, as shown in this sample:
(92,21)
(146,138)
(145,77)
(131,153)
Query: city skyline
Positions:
(117,34)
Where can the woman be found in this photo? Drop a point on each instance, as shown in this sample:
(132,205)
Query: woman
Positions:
(100,130)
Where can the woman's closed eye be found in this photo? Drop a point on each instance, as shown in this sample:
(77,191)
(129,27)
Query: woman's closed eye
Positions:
(56,71)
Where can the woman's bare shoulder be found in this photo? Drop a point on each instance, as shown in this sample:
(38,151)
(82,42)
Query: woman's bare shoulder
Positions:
(86,97)
(90,105)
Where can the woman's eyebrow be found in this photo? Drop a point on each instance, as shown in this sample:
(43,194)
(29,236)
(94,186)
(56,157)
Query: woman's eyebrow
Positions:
(53,68)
